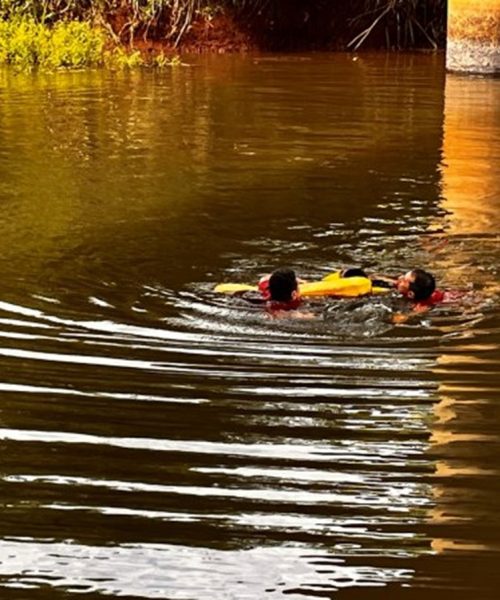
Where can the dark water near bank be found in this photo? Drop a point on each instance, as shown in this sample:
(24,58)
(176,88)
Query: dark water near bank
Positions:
(158,441)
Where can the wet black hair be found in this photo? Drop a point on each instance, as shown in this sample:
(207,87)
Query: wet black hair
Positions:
(282,284)
(423,286)
(353,272)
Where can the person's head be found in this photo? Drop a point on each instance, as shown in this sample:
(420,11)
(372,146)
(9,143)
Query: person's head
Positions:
(418,285)
(283,285)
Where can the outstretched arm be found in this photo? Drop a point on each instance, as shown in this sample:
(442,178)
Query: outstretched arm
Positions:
(398,317)
(385,278)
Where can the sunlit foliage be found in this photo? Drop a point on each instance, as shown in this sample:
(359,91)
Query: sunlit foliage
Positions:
(72,33)
(25,42)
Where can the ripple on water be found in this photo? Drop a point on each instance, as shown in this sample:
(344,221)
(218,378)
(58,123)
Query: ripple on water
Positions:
(161,441)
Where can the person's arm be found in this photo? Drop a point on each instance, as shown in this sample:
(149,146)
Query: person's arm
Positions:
(384,278)
(417,308)
(252,297)
(290,314)
(382,281)
(399,318)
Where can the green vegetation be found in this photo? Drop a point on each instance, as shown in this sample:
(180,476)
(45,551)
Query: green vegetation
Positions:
(53,34)
(25,42)
(74,33)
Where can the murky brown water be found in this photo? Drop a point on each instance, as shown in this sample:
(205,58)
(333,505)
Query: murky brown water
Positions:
(158,441)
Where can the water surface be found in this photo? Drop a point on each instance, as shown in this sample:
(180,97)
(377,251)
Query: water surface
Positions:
(160,441)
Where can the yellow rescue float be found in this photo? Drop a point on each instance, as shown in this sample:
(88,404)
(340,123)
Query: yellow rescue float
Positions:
(331,285)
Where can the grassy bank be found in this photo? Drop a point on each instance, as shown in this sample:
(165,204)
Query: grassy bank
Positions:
(76,33)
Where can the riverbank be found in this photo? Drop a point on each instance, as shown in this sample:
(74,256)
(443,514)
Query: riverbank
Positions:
(75,33)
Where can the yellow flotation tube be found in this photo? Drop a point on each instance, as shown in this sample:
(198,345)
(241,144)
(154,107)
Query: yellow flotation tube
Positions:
(331,285)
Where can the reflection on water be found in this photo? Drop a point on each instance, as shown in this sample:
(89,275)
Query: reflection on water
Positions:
(161,441)
(176,570)
(471,187)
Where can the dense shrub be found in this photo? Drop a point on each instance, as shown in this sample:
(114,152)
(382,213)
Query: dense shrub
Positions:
(25,42)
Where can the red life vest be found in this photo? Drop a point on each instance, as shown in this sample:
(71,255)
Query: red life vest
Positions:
(263,286)
(436,297)
(273,305)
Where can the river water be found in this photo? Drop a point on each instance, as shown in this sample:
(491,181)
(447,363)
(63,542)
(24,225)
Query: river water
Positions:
(160,441)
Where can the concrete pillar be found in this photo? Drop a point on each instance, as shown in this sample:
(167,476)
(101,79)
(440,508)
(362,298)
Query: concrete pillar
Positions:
(473,36)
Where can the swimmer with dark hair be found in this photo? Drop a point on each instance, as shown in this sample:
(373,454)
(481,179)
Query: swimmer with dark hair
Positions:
(281,291)
(417,285)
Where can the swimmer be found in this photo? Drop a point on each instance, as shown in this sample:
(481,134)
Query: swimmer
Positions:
(280,295)
(281,289)
(420,287)
(417,285)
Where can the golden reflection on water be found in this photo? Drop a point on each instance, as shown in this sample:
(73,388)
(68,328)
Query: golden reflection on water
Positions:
(470,182)
(441,545)
(453,438)
(449,509)
(471,198)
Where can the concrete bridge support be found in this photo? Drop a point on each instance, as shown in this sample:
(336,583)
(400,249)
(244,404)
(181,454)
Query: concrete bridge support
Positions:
(473,36)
